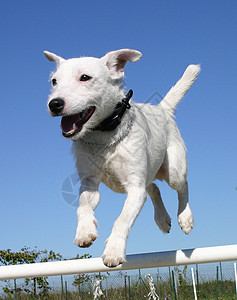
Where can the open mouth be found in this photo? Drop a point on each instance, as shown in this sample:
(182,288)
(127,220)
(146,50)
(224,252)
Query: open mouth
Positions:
(73,124)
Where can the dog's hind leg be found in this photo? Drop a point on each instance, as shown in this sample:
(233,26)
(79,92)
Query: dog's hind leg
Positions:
(176,177)
(185,217)
(161,216)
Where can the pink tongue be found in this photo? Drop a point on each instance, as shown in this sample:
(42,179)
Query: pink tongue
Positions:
(67,122)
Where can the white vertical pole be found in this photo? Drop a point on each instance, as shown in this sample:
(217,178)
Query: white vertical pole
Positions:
(194,285)
(176,284)
(235,278)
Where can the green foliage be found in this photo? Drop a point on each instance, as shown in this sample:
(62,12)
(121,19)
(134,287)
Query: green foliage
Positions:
(184,287)
(26,255)
(136,291)
(81,279)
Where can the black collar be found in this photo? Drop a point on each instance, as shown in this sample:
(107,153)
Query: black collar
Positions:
(114,120)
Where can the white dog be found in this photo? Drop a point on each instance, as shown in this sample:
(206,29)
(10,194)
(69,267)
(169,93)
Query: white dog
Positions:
(126,146)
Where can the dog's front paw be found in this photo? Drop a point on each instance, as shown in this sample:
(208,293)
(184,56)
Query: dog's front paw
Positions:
(86,232)
(185,220)
(114,253)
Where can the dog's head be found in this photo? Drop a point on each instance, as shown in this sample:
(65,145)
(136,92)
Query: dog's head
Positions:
(86,90)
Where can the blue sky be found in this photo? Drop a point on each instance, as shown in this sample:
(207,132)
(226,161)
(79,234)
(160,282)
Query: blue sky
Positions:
(36,159)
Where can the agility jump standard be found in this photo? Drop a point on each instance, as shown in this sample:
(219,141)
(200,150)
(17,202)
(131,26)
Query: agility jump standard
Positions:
(136,261)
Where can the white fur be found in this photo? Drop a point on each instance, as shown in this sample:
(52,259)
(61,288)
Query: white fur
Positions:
(152,148)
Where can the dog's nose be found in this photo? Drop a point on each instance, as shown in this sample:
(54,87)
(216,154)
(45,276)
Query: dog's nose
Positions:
(56,105)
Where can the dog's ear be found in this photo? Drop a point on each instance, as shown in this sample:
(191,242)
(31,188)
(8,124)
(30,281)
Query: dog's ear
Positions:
(116,61)
(53,57)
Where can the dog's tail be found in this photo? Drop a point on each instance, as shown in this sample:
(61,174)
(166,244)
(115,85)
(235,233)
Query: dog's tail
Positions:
(177,92)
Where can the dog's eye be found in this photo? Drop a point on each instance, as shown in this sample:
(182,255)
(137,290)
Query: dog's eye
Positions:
(54,82)
(85,77)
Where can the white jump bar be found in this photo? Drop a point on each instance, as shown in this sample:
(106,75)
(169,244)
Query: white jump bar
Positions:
(135,261)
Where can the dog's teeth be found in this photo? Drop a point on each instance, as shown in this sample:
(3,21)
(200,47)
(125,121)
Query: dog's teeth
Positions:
(74,128)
